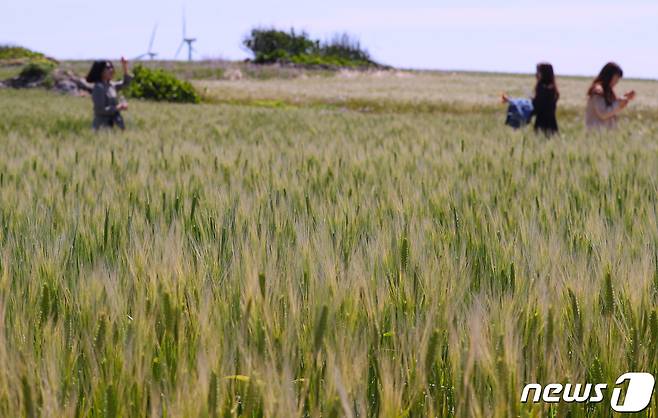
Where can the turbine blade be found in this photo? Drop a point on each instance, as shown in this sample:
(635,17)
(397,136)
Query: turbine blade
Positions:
(184,29)
(155,28)
(179,49)
(139,57)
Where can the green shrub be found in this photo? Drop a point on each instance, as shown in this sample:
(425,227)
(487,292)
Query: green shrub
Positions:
(272,45)
(161,85)
(345,47)
(37,70)
(35,73)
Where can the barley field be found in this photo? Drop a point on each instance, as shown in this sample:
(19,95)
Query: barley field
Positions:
(348,246)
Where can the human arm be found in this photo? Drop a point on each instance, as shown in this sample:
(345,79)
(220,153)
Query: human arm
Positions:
(605,112)
(127,78)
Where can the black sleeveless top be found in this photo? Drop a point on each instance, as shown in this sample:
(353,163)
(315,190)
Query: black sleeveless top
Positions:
(545,106)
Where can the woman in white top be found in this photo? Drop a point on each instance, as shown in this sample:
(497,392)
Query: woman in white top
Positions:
(603,106)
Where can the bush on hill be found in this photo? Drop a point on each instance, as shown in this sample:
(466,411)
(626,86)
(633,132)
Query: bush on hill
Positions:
(12,52)
(37,70)
(344,47)
(276,46)
(271,45)
(36,73)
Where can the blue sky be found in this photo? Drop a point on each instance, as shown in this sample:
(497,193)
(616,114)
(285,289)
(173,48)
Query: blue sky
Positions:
(578,37)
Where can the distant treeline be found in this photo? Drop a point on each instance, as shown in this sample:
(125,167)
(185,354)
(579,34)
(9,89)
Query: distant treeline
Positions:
(277,46)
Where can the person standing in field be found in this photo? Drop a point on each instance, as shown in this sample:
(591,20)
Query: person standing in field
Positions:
(545,101)
(603,106)
(107,107)
(542,106)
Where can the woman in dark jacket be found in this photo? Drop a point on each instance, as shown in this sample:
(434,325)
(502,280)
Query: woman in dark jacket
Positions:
(107,108)
(545,100)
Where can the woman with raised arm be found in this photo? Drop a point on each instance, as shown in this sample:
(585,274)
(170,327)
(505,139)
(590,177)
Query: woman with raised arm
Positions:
(107,107)
(603,105)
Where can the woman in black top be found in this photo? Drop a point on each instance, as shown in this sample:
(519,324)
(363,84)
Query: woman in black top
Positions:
(545,100)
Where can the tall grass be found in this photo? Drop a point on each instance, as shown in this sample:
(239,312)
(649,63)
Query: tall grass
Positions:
(227,261)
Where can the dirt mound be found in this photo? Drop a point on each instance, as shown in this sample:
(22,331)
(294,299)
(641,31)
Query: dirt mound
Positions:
(69,83)
(63,81)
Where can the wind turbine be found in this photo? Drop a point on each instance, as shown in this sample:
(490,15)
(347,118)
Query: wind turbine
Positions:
(186,40)
(150,52)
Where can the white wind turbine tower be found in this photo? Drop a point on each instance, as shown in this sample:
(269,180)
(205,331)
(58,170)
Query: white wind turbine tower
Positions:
(186,40)
(149,53)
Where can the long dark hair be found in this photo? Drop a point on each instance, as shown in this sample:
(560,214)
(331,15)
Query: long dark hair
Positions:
(96,71)
(546,79)
(604,80)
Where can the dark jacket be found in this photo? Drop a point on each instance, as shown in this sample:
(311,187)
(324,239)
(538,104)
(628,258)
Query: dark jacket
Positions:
(104,96)
(545,106)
